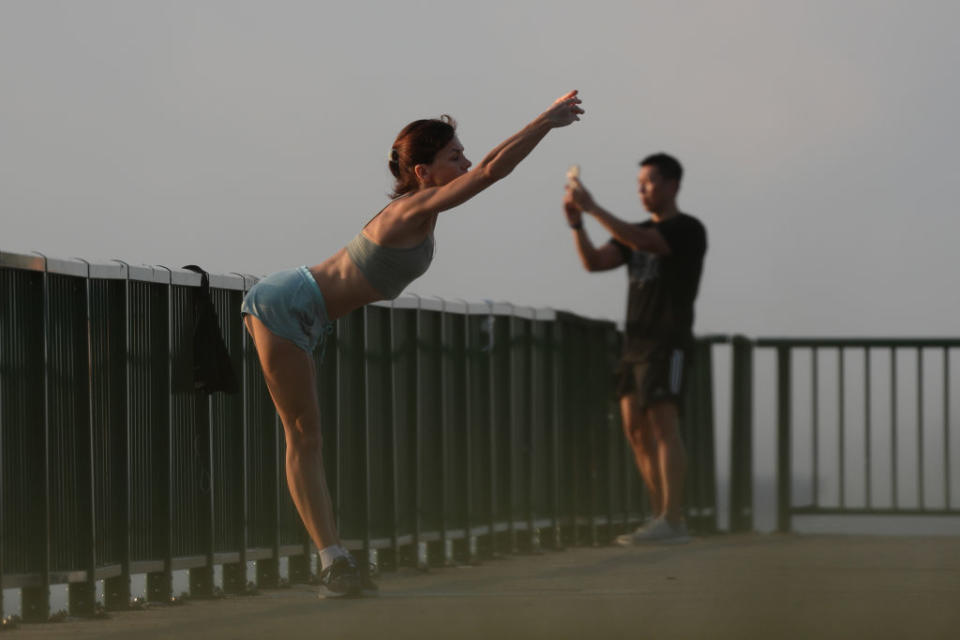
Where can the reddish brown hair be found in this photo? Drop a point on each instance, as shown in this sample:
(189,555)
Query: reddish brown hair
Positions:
(418,143)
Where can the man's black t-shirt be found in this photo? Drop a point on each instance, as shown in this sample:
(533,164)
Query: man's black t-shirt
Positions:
(663,287)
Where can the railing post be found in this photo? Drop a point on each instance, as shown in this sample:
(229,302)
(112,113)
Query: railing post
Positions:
(946,427)
(445,367)
(741,436)
(395,363)
(470,540)
(117,589)
(83,595)
(706,465)
(491,427)
(555,431)
(202,578)
(784,456)
(534,397)
(367,511)
(160,583)
(512,427)
(420,545)
(235,574)
(35,601)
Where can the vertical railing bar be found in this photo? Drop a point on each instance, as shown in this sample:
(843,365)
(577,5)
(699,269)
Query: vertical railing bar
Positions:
(35,601)
(168,549)
(126,489)
(815,426)
(245,428)
(418,462)
(394,456)
(511,436)
(468,431)
(608,498)
(278,469)
(841,425)
(591,508)
(575,451)
(893,428)
(784,455)
(946,428)
(160,584)
(337,496)
(445,371)
(533,400)
(367,493)
(113,598)
(491,434)
(211,498)
(920,491)
(91,581)
(867,426)
(557,391)
(44,542)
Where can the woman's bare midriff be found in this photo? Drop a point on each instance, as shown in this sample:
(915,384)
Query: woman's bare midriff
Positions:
(343,285)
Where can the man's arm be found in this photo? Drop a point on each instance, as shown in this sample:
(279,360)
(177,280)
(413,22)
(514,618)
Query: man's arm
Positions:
(637,238)
(605,258)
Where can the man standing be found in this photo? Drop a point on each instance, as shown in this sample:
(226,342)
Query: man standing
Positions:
(664,257)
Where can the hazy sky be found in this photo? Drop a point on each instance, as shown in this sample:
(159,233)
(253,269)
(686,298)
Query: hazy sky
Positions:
(820,141)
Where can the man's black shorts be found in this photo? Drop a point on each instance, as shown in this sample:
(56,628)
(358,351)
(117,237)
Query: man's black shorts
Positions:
(661,376)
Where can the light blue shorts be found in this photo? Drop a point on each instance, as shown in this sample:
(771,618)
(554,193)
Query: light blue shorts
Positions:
(290,304)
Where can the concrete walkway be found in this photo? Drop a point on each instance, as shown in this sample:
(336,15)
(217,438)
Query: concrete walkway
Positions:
(749,586)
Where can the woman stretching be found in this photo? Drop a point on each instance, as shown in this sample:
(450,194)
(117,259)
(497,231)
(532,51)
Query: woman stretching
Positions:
(290,312)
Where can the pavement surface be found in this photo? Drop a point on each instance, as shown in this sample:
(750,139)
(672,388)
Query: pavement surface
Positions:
(733,586)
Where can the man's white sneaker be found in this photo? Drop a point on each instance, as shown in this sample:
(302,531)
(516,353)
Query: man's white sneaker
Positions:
(657,532)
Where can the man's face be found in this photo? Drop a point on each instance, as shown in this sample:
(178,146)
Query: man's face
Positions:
(656,193)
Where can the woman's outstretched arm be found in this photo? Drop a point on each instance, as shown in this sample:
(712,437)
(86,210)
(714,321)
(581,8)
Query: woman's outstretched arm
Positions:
(496,165)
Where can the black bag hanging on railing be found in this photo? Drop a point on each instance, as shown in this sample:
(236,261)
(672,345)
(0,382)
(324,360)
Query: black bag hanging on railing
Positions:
(212,367)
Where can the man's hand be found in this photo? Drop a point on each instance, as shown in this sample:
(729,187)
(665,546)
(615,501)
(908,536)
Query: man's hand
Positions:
(579,194)
(572,211)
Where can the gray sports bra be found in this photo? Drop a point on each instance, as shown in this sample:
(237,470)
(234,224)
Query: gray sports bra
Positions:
(389,269)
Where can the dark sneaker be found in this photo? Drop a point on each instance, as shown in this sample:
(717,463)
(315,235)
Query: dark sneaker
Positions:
(340,579)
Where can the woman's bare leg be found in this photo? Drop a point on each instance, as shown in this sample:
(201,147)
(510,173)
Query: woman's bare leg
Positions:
(291,379)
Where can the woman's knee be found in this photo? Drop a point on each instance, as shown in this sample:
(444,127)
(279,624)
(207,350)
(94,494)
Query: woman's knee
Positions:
(303,434)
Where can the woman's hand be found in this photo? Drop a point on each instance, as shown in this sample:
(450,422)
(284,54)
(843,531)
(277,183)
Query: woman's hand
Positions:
(564,110)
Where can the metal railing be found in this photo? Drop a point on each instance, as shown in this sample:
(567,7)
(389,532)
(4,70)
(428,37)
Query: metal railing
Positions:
(451,431)
(866,460)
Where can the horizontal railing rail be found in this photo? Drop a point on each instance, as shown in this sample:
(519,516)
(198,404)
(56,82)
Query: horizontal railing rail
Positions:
(451,431)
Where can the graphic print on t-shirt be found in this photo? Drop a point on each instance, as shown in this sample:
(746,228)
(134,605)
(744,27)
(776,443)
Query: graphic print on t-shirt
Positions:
(643,267)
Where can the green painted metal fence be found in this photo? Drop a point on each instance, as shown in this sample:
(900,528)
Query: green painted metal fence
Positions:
(452,431)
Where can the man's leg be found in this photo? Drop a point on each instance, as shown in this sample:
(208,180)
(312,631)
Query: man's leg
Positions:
(639,433)
(671,456)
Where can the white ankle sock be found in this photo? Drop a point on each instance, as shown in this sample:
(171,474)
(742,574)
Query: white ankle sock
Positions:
(331,553)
